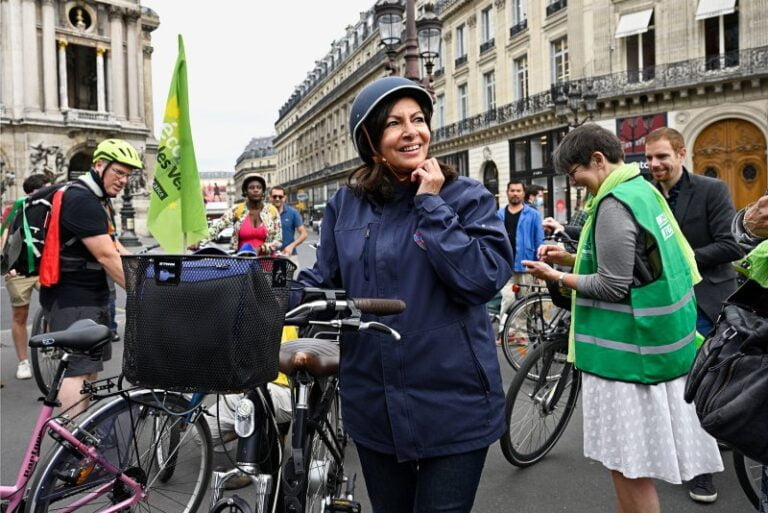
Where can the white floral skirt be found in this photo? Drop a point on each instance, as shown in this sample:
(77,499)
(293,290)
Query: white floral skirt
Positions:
(646,430)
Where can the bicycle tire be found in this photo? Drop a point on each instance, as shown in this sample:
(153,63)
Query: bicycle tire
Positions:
(748,473)
(323,476)
(45,361)
(534,422)
(129,435)
(525,325)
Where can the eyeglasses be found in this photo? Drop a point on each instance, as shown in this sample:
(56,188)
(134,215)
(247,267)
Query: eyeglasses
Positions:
(573,171)
(121,174)
(277,196)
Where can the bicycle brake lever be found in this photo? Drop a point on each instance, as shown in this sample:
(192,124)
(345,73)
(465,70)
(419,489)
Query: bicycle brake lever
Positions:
(381,328)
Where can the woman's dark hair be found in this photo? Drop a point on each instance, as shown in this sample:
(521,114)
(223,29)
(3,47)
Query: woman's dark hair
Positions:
(377,180)
(580,143)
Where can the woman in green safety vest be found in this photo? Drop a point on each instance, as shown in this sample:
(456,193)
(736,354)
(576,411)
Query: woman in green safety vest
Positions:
(633,324)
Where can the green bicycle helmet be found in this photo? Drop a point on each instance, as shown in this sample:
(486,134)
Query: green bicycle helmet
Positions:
(118,150)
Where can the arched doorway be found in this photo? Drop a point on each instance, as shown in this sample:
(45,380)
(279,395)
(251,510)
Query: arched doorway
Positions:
(79,164)
(733,150)
(491,178)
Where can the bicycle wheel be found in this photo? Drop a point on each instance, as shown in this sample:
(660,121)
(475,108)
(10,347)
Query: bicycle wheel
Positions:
(45,360)
(324,448)
(527,322)
(538,410)
(130,434)
(749,473)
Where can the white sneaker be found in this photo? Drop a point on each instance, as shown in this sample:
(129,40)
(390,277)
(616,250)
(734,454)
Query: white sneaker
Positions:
(23,371)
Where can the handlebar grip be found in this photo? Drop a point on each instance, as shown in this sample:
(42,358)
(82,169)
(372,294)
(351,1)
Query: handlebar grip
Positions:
(378,306)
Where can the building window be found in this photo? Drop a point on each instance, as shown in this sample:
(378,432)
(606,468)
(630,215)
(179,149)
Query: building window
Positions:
(521,77)
(486,17)
(461,50)
(519,17)
(463,102)
(489,90)
(560,68)
(554,6)
(440,111)
(641,54)
(721,41)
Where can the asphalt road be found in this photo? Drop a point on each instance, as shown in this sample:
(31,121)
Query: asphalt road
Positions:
(564,481)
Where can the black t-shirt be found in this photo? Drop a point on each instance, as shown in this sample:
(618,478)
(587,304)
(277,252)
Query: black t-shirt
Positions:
(82,215)
(510,223)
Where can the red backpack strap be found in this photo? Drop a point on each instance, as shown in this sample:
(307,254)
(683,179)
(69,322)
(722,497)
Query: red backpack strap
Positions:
(50,264)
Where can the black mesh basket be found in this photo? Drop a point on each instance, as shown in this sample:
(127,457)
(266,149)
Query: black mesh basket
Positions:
(202,322)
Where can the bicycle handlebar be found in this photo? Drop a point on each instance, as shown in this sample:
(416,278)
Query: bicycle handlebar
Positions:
(379,306)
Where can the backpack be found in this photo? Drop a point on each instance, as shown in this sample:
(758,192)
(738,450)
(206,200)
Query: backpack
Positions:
(27,226)
(728,381)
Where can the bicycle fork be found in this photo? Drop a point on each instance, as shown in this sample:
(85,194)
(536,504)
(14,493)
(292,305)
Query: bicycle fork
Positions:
(247,454)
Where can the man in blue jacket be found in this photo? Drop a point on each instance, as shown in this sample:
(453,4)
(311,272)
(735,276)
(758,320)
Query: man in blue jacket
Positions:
(526,233)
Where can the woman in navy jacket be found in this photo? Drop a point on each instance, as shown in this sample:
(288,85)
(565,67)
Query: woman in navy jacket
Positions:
(424,410)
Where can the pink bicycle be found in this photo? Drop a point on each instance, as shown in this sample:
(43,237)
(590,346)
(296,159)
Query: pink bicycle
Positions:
(141,450)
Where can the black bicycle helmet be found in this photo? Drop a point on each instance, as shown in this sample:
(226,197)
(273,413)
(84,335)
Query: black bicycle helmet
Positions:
(373,94)
(251,177)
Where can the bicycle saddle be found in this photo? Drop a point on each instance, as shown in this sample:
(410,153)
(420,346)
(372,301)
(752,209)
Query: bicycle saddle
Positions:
(318,357)
(82,336)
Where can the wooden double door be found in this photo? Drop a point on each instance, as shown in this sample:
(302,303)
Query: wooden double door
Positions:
(734,151)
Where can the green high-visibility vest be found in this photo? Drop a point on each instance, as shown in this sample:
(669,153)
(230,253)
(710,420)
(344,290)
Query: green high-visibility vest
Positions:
(648,337)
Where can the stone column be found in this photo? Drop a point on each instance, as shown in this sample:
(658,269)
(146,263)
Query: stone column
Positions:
(118,61)
(49,57)
(132,54)
(13,79)
(101,103)
(31,64)
(63,93)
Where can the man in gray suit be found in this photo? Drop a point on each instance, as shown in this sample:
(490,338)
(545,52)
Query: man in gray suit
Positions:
(704,211)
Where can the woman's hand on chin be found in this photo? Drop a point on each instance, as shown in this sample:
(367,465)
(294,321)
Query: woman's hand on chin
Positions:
(429,176)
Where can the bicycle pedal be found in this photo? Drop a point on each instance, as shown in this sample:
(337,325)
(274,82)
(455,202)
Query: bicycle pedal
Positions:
(343,506)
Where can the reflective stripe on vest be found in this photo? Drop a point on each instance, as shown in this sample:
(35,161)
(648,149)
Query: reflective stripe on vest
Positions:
(632,348)
(635,312)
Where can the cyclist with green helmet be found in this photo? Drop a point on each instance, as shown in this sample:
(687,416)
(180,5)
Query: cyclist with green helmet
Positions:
(88,253)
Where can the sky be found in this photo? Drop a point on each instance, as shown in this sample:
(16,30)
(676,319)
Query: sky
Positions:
(244,59)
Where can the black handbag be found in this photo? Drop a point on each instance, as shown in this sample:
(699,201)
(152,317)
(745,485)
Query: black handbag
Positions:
(728,382)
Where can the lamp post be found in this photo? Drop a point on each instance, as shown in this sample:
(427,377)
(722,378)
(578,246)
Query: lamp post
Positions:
(127,216)
(569,100)
(422,37)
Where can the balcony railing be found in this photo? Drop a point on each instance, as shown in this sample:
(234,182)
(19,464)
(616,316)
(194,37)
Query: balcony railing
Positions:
(743,65)
(439,72)
(460,60)
(487,46)
(555,6)
(90,116)
(519,27)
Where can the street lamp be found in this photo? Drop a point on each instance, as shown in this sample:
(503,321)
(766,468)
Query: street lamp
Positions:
(128,214)
(424,35)
(569,100)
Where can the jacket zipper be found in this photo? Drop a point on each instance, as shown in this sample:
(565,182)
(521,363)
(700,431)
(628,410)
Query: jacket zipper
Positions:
(478,368)
(364,255)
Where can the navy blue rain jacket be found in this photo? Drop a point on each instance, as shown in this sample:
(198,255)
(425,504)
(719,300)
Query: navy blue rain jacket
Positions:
(438,391)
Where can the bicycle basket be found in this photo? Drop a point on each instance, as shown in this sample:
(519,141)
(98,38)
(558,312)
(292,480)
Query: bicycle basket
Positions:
(203,322)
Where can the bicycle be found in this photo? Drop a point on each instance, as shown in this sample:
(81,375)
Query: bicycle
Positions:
(310,477)
(121,454)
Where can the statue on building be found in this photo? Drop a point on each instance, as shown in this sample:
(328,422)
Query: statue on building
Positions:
(48,160)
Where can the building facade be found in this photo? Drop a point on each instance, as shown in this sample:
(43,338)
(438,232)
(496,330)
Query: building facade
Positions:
(73,73)
(700,66)
(257,157)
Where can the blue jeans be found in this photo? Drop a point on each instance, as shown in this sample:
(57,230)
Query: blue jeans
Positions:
(703,324)
(445,484)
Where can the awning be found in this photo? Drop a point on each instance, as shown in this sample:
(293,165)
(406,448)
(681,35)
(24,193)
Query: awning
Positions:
(712,8)
(633,23)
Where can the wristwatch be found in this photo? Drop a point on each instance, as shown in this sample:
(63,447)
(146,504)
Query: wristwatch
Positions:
(560,280)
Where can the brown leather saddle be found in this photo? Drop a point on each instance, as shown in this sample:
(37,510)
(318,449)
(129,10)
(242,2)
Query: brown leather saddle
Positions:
(318,357)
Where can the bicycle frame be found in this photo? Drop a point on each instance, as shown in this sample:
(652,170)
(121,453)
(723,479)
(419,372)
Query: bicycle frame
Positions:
(46,422)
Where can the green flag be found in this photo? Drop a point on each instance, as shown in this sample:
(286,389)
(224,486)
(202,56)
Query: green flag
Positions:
(176,216)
